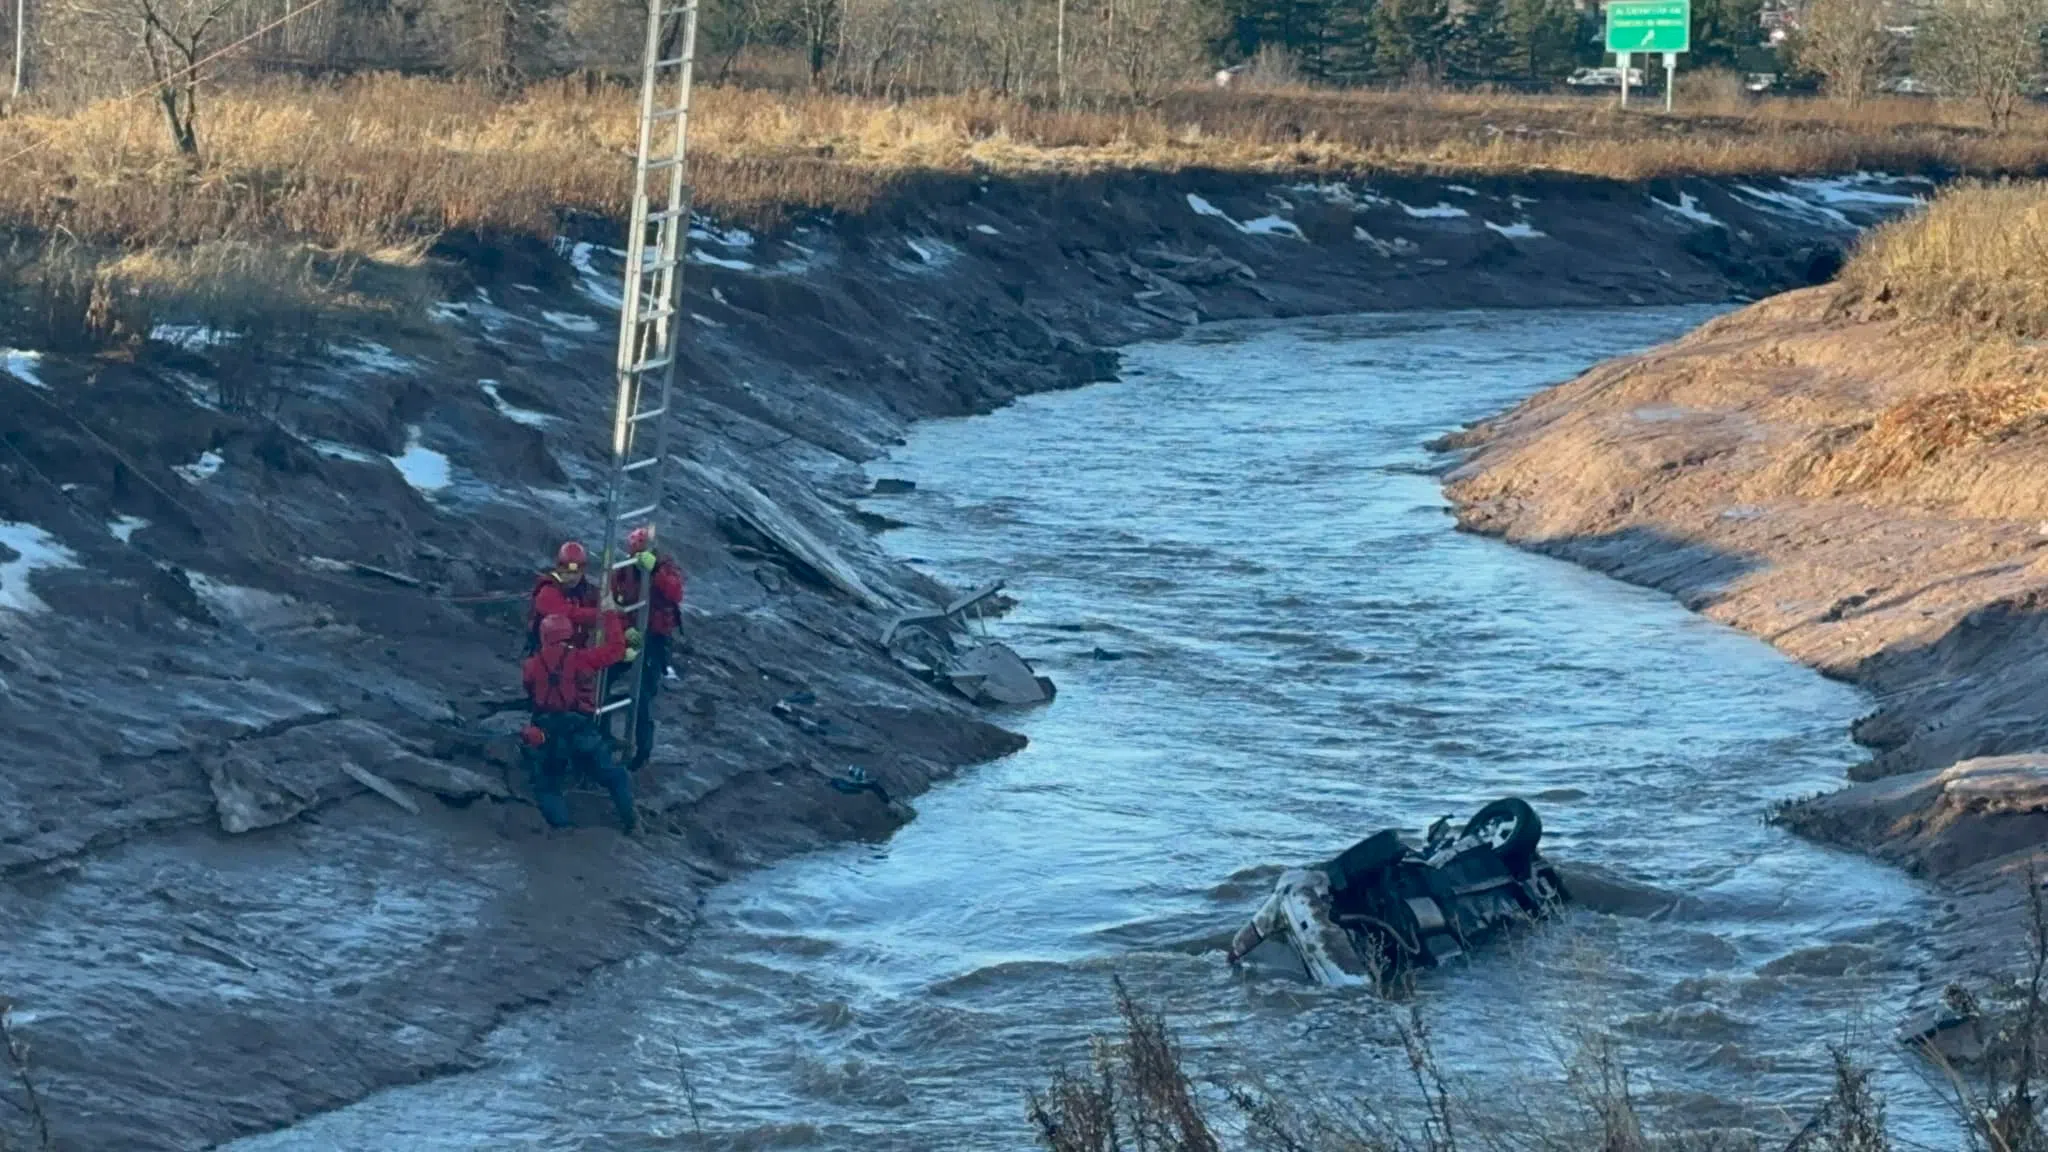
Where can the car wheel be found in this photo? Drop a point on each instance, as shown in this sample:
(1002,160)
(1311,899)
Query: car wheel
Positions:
(1510,827)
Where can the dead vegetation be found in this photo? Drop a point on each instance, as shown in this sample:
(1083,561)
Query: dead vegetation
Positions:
(1976,258)
(1968,278)
(375,160)
(330,178)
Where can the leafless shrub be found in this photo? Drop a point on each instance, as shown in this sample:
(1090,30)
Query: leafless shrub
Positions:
(1845,41)
(1985,51)
(1135,1096)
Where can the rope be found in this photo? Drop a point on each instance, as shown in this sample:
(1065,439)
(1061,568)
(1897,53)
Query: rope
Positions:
(180,74)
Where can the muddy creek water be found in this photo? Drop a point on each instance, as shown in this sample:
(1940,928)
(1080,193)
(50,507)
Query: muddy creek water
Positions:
(1269,641)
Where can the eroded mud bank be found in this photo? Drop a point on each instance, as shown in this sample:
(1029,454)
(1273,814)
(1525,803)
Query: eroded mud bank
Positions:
(225,580)
(1810,471)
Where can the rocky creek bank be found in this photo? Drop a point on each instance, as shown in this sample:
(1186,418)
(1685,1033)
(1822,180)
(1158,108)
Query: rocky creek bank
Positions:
(1811,471)
(233,582)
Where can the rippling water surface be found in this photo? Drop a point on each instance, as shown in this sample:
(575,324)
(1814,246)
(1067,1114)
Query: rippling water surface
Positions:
(1269,642)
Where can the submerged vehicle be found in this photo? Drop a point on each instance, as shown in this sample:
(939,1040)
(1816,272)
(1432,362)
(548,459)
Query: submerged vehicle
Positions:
(1383,909)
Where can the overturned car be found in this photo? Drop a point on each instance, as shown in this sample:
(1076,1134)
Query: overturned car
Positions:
(1383,909)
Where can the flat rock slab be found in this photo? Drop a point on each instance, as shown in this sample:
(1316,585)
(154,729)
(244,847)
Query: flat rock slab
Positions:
(265,782)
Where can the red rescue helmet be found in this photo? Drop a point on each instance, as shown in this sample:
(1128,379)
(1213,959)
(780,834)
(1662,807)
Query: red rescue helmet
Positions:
(640,539)
(571,557)
(556,630)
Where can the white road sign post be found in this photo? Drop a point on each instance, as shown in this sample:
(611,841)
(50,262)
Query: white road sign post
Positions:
(1649,27)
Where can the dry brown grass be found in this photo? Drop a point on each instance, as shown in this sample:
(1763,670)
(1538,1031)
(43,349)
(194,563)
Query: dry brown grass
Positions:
(371,160)
(1978,257)
(331,173)
(1971,275)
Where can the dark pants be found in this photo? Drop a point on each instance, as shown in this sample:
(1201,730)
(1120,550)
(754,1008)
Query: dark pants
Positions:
(574,741)
(653,668)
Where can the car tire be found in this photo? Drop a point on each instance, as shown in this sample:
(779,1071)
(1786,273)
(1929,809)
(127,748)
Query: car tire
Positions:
(1511,826)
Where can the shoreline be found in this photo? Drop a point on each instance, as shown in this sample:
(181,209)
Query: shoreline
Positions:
(227,929)
(1710,469)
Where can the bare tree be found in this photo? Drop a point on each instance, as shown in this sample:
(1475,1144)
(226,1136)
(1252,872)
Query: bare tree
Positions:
(1145,46)
(1987,51)
(174,41)
(817,26)
(1846,43)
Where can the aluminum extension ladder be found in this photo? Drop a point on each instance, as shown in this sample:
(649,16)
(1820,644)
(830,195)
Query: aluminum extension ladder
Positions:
(649,320)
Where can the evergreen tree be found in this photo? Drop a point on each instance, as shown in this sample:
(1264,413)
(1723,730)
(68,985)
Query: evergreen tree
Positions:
(1350,53)
(1480,47)
(1544,34)
(1410,38)
(1721,29)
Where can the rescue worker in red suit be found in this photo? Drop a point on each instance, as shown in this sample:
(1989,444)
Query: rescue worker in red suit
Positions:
(564,591)
(664,613)
(562,683)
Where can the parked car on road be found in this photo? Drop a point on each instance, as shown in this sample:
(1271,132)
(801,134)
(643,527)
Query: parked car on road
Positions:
(1604,78)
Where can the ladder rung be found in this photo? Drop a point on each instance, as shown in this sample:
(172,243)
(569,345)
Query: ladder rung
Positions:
(614,706)
(661,164)
(650,414)
(637,465)
(639,513)
(650,365)
(654,314)
(671,113)
(659,266)
(667,214)
(672,62)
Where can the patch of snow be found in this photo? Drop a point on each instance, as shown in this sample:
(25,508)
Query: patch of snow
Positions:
(1688,206)
(1461,190)
(1383,247)
(190,337)
(1523,201)
(1438,211)
(252,607)
(706,321)
(37,550)
(124,528)
(988,230)
(931,255)
(1263,226)
(422,467)
(718,295)
(603,289)
(447,313)
(343,451)
(204,468)
(374,357)
(527,288)
(700,256)
(702,228)
(1520,230)
(513,412)
(1271,226)
(1794,205)
(570,321)
(1851,190)
(22,366)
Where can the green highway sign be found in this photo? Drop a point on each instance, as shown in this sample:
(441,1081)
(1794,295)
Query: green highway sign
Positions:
(1649,26)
